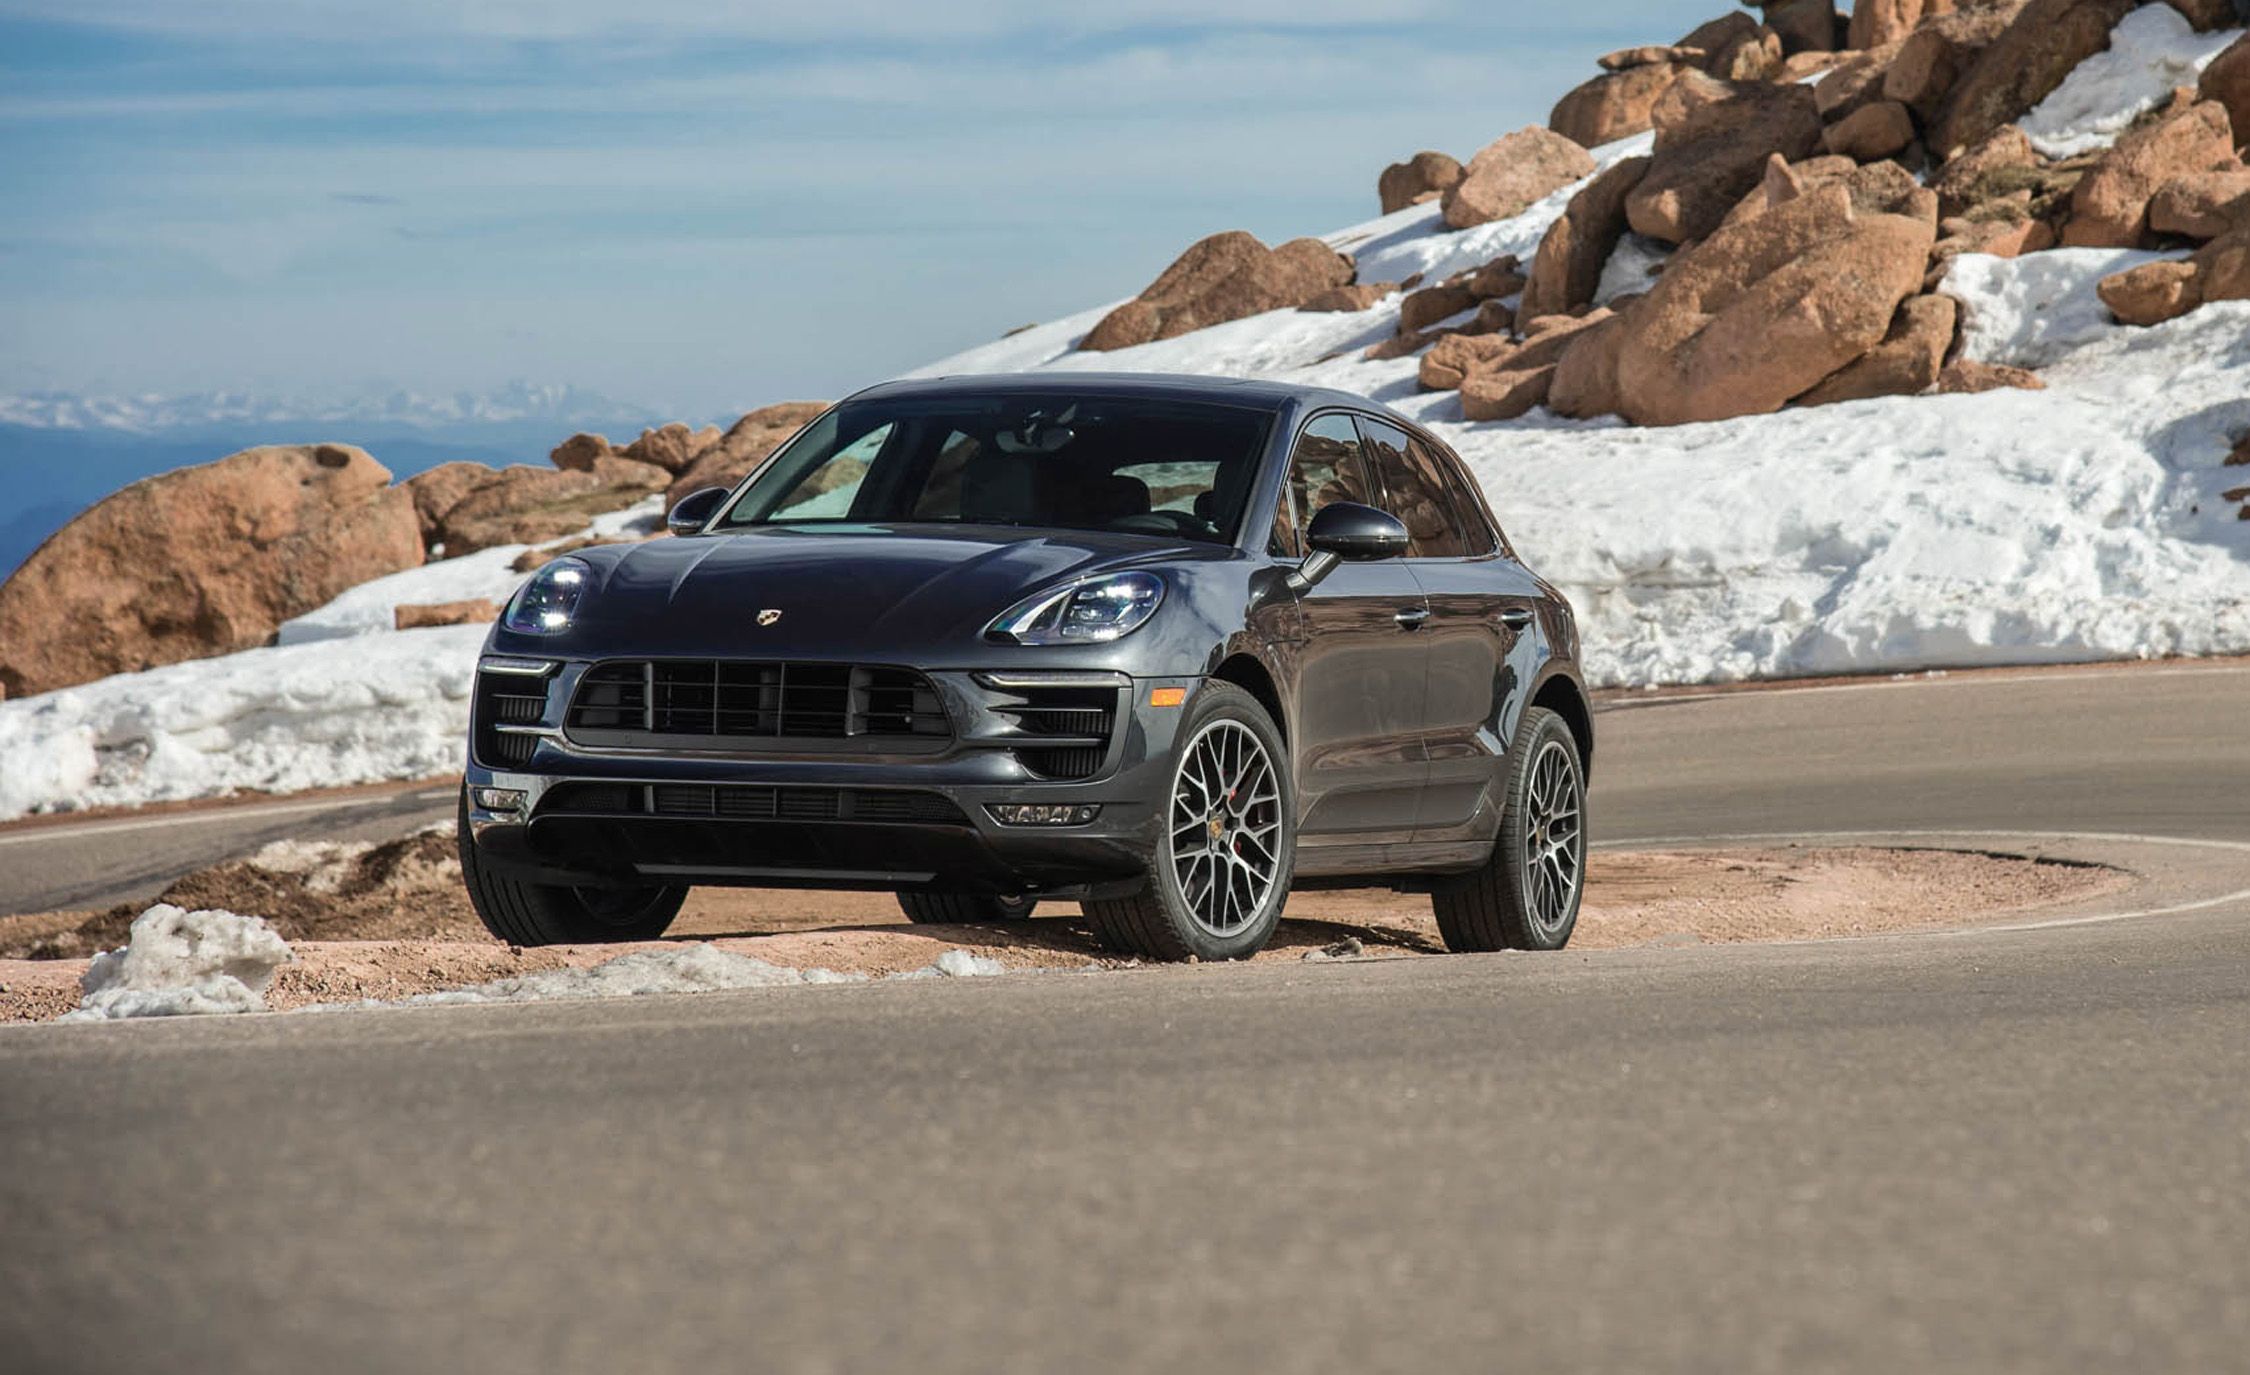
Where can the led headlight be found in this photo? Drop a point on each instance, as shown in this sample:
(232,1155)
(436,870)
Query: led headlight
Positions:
(1087,613)
(545,605)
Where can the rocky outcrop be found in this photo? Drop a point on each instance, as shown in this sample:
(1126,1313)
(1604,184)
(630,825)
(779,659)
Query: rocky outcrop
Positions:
(577,453)
(2110,208)
(437,490)
(1585,380)
(1712,143)
(1768,308)
(1422,177)
(1804,26)
(1625,59)
(1616,106)
(1225,277)
(528,505)
(746,444)
(2204,206)
(1511,174)
(202,561)
(1855,82)
(1567,270)
(1349,299)
(1963,376)
(474,611)
(1933,59)
(2206,15)
(2044,43)
(1906,363)
(1877,22)
(1740,48)
(2155,292)
(671,447)
(2227,80)
(1881,129)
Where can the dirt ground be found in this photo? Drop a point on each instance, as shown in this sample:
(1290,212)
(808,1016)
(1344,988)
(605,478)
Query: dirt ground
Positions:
(391,921)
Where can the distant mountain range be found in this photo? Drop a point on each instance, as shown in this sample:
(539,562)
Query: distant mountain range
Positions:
(61,451)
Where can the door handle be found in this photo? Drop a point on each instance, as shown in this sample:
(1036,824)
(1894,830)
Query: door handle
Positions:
(1515,617)
(1412,617)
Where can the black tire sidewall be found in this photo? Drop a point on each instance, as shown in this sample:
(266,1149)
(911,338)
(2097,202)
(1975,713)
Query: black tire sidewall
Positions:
(1541,727)
(1219,701)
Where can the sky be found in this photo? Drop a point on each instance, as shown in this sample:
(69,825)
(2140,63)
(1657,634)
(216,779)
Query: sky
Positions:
(689,203)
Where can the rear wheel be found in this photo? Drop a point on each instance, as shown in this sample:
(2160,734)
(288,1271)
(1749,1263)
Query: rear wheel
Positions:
(1215,886)
(961,909)
(522,913)
(1526,896)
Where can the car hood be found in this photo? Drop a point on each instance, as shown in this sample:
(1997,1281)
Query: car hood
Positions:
(865,591)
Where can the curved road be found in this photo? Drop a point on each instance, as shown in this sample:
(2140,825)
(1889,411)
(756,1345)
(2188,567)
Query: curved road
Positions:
(2005,1150)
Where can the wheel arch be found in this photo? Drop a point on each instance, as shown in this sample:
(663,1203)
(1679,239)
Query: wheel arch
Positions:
(1245,671)
(1561,694)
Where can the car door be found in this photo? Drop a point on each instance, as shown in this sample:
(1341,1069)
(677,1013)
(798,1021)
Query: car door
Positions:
(1477,642)
(1358,742)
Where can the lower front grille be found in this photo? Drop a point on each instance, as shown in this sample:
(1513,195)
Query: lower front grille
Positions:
(753,802)
(505,700)
(1065,731)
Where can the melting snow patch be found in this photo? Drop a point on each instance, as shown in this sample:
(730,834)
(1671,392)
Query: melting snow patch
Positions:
(697,968)
(956,964)
(177,964)
(2151,51)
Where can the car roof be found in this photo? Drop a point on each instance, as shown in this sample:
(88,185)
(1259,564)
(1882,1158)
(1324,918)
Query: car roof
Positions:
(1234,391)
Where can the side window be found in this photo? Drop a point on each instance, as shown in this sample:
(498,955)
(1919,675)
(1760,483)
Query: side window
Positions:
(1477,535)
(1415,491)
(1326,467)
(826,492)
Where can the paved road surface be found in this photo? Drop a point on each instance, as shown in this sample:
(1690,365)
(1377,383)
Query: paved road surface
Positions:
(2018,1150)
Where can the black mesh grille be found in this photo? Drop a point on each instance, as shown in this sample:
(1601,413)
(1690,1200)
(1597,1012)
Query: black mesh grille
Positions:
(731,704)
(507,699)
(1077,720)
(751,802)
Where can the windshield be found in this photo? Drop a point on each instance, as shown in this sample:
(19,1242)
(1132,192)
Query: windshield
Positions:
(1058,462)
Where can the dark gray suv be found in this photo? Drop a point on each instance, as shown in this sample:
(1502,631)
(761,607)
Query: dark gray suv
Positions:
(1166,646)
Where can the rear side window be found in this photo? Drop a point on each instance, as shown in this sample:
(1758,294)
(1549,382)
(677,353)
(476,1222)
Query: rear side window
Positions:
(1326,468)
(1416,488)
(1477,535)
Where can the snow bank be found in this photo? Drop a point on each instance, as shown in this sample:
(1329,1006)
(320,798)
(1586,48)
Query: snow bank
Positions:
(280,720)
(695,968)
(180,964)
(2152,50)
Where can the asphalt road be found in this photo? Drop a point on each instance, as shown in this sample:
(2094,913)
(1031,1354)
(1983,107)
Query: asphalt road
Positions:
(2007,1150)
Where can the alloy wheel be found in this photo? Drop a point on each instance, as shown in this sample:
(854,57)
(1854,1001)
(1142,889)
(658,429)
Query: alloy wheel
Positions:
(1554,851)
(1226,827)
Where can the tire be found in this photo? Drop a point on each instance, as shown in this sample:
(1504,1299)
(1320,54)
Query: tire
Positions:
(963,909)
(523,913)
(1526,896)
(1180,909)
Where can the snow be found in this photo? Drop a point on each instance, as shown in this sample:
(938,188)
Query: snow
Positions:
(180,964)
(696,967)
(2152,50)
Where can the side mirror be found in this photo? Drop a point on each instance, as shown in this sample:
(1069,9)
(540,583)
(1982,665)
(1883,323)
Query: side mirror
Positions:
(1347,532)
(695,511)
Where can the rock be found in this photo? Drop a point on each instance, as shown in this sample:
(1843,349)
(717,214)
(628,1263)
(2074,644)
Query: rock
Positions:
(2002,163)
(1805,66)
(671,447)
(1585,382)
(1503,276)
(2223,267)
(1877,22)
(2239,456)
(2151,293)
(1711,151)
(2110,208)
(1404,183)
(1855,82)
(1453,357)
(437,490)
(1906,363)
(2204,16)
(1554,339)
(527,505)
(1939,53)
(1999,238)
(2202,206)
(1612,107)
(1495,316)
(1424,308)
(1878,187)
(1568,268)
(1875,131)
(577,453)
(1511,175)
(1505,395)
(1805,26)
(476,611)
(2227,80)
(1766,309)
(1740,48)
(1625,59)
(1964,375)
(201,561)
(1224,277)
(2043,44)
(745,445)
(1348,299)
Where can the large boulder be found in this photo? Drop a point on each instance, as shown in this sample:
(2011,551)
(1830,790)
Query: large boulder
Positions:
(2155,292)
(1906,363)
(670,447)
(1876,188)
(577,453)
(1568,269)
(1880,129)
(1739,48)
(1225,277)
(1766,309)
(2044,43)
(1511,174)
(1804,26)
(1585,380)
(2202,206)
(201,561)
(2110,208)
(2206,15)
(1421,177)
(527,505)
(2227,80)
(1877,22)
(2001,164)
(437,490)
(1712,143)
(746,444)
(1856,81)
(1933,59)
(1618,105)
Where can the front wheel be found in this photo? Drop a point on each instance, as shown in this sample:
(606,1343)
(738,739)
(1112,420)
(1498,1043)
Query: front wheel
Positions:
(1226,850)
(1526,896)
(523,913)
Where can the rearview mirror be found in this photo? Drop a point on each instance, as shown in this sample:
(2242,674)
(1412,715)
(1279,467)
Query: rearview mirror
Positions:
(695,511)
(1347,532)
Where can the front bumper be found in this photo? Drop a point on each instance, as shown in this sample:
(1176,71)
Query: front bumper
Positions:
(835,819)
